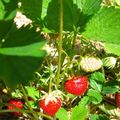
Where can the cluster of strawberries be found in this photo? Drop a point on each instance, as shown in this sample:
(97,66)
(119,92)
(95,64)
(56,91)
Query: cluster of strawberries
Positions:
(50,103)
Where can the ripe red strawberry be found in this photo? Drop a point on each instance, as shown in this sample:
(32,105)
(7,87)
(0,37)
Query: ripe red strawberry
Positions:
(50,105)
(77,85)
(16,104)
(117,98)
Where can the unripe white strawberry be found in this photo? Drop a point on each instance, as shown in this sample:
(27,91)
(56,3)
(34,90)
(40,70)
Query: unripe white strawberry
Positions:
(109,62)
(90,64)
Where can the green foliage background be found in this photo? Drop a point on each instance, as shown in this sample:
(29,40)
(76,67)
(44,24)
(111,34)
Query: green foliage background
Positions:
(21,50)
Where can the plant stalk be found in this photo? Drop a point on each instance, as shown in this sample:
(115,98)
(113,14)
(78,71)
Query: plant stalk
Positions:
(60,43)
(74,39)
(26,99)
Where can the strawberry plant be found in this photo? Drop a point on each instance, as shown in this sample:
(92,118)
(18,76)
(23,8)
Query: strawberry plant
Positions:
(60,59)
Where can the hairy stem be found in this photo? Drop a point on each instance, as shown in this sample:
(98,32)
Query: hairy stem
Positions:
(26,99)
(60,43)
(74,38)
(35,114)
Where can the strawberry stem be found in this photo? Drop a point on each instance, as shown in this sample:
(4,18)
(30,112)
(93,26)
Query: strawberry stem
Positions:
(26,99)
(60,43)
(46,116)
(35,114)
(18,110)
(50,84)
(74,38)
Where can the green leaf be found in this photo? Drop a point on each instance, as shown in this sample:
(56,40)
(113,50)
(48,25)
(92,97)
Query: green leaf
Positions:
(104,27)
(98,117)
(62,114)
(33,104)
(32,92)
(110,109)
(113,48)
(32,9)
(94,96)
(76,15)
(109,90)
(18,70)
(33,50)
(98,77)
(89,7)
(7,10)
(80,112)
(7,14)
(84,101)
(96,81)
(2,10)
(113,83)
(19,66)
(95,85)
(45,4)
(52,21)
(26,35)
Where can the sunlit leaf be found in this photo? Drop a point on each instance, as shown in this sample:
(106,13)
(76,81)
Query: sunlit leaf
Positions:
(62,114)
(105,26)
(21,54)
(94,96)
(79,112)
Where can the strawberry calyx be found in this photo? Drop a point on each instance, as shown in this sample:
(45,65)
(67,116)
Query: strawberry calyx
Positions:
(52,96)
